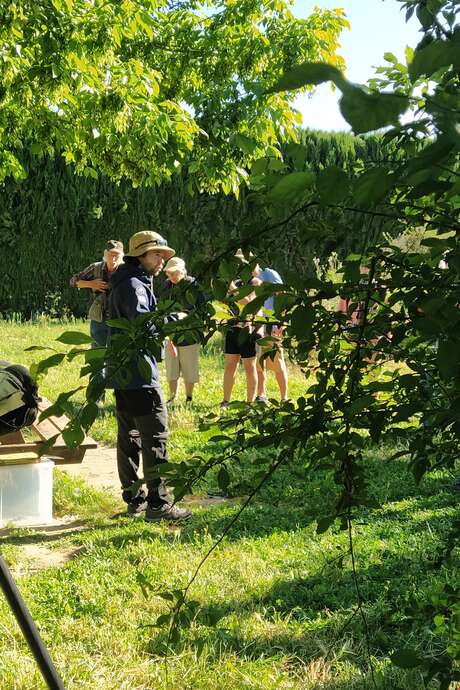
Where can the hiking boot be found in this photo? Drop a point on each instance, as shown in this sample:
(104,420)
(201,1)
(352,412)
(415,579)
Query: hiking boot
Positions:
(224,404)
(262,399)
(168,512)
(188,400)
(136,507)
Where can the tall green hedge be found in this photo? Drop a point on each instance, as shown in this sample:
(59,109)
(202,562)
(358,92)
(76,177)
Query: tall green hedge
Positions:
(53,223)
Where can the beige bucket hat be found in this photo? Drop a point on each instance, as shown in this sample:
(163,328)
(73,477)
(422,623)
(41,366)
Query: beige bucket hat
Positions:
(145,240)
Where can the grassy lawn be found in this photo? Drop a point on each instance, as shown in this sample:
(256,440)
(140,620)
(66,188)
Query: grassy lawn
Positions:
(282,598)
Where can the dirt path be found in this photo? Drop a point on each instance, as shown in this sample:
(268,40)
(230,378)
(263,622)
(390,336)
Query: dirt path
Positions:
(99,469)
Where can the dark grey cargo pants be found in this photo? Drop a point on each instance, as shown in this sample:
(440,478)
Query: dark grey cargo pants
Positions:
(144,410)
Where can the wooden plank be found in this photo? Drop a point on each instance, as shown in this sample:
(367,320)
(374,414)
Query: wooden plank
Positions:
(60,453)
(14,437)
(19,458)
(47,429)
(18,447)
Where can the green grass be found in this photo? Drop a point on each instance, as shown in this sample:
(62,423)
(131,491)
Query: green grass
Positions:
(282,597)
(184,437)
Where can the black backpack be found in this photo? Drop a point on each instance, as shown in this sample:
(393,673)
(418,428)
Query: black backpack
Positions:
(18,398)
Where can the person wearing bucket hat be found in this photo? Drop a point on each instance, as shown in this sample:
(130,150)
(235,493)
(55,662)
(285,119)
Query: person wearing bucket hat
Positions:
(147,240)
(139,400)
(95,277)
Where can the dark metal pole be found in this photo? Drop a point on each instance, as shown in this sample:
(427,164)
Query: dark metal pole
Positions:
(29,629)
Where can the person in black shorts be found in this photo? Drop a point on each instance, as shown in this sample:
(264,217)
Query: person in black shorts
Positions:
(240,344)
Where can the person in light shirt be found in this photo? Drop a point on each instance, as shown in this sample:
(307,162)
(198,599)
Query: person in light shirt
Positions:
(182,352)
(278,364)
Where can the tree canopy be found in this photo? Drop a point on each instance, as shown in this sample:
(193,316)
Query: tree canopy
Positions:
(139,89)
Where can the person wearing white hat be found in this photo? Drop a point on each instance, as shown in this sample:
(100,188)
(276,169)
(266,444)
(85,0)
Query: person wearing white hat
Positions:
(139,400)
(182,353)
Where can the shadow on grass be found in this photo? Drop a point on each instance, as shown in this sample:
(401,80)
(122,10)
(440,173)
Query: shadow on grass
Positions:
(51,533)
(308,620)
(263,518)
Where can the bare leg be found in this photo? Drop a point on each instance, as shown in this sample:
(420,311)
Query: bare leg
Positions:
(231,365)
(173,388)
(261,379)
(278,366)
(188,389)
(282,379)
(250,367)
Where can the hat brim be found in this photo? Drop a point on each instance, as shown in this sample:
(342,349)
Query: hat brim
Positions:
(167,251)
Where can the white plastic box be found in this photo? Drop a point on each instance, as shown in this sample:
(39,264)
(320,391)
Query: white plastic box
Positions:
(26,493)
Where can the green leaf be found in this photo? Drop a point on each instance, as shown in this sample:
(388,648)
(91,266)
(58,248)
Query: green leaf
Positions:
(167,596)
(38,348)
(301,321)
(163,620)
(95,388)
(406,658)
(219,288)
(291,188)
(372,186)
(145,369)
(48,363)
(73,436)
(448,358)
(46,445)
(120,324)
(298,154)
(324,523)
(74,338)
(360,404)
(88,415)
(246,144)
(223,479)
(57,408)
(260,166)
(333,185)
(366,112)
(305,74)
(430,58)
(95,353)
(253,306)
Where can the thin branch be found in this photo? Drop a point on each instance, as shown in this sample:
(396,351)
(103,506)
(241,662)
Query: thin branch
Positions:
(359,597)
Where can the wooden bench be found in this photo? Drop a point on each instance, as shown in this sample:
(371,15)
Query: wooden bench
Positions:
(15,445)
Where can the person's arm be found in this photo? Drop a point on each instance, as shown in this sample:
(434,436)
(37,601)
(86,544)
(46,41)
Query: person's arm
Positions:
(171,347)
(86,279)
(255,282)
(95,284)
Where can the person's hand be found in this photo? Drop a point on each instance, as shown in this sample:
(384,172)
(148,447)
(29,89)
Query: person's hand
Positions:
(171,347)
(99,284)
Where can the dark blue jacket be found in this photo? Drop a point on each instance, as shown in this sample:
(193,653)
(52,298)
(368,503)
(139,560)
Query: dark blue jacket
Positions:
(131,295)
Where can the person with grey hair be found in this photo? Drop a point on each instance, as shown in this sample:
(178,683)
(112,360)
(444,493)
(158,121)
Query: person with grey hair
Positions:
(95,277)
(182,352)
